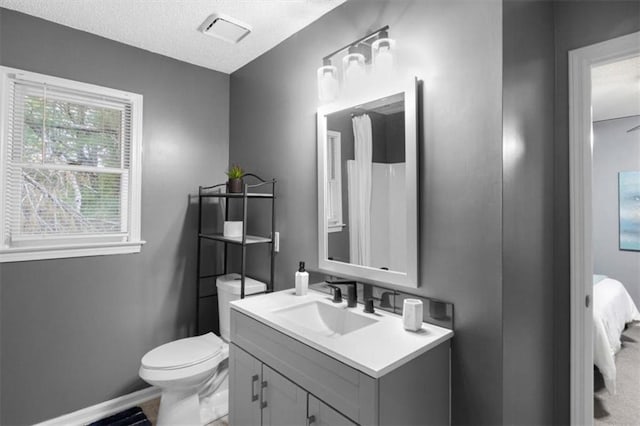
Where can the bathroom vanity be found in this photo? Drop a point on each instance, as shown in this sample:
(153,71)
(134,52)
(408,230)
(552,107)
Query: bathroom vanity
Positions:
(305,360)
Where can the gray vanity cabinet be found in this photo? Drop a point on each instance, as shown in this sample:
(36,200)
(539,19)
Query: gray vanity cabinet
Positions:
(307,386)
(245,379)
(320,414)
(260,396)
(284,403)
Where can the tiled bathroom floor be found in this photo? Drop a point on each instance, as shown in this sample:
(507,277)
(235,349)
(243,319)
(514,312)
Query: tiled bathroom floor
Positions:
(150,409)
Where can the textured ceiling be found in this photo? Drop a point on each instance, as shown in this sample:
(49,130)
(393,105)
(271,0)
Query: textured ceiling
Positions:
(169,27)
(616,89)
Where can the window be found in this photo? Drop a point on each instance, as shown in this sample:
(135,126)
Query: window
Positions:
(70,160)
(334,182)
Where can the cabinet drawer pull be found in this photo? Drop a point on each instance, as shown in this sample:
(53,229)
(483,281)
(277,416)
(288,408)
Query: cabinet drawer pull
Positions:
(311,420)
(264,400)
(254,394)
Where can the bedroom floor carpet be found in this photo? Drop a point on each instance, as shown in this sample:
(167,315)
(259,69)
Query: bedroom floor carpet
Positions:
(623,408)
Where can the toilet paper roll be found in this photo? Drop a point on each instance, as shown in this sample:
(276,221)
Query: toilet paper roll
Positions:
(412,314)
(232,228)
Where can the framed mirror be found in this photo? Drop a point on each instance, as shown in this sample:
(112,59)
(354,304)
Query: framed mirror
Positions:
(368,186)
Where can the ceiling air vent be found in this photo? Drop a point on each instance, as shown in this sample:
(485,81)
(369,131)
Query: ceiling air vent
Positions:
(225,28)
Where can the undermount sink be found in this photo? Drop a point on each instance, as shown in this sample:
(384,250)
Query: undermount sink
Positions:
(324,319)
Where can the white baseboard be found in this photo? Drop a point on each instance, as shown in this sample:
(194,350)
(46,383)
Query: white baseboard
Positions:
(104,409)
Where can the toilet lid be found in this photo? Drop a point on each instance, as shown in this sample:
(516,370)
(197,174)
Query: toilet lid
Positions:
(183,353)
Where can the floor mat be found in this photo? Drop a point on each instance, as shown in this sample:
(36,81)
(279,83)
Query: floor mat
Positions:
(128,417)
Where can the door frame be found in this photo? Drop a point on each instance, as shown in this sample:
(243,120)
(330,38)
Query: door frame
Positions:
(580,170)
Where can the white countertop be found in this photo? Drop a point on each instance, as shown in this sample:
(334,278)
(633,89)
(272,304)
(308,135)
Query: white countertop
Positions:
(374,350)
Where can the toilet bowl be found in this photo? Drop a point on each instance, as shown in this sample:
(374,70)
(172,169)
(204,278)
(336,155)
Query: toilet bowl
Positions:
(192,374)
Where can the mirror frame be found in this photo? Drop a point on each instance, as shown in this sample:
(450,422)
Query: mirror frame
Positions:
(410,88)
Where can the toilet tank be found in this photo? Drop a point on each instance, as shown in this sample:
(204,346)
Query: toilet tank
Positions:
(229,290)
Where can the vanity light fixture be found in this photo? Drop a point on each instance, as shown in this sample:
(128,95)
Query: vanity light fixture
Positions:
(375,51)
(353,64)
(383,52)
(328,85)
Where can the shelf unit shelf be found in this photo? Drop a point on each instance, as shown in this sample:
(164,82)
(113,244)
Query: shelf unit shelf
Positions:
(235,195)
(250,192)
(250,239)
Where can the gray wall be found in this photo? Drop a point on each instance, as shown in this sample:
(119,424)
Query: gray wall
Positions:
(614,151)
(528,64)
(273,133)
(577,24)
(394,138)
(73,331)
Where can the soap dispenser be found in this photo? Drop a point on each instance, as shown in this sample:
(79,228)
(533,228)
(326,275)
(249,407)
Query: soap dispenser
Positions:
(302,280)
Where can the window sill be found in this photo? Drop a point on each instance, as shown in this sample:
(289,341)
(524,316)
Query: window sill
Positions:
(21,254)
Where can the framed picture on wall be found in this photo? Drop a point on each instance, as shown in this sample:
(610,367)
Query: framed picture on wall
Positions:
(629,209)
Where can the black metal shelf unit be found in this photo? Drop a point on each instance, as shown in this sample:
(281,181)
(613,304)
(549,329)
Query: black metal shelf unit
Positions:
(250,191)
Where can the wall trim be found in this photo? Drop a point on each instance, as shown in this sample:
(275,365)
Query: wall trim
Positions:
(104,409)
(580,170)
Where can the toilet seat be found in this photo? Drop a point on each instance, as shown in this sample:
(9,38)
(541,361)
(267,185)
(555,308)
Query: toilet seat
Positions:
(186,375)
(183,353)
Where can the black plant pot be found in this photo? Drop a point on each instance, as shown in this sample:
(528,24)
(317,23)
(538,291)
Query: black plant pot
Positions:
(234,185)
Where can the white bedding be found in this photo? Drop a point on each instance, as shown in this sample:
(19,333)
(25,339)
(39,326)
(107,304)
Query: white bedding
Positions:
(613,308)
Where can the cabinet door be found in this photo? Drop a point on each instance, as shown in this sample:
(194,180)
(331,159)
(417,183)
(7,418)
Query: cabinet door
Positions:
(244,388)
(284,403)
(320,414)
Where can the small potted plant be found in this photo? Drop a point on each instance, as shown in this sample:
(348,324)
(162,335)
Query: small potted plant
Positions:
(234,184)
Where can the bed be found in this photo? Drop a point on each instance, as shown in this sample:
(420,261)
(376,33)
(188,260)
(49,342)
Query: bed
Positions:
(613,308)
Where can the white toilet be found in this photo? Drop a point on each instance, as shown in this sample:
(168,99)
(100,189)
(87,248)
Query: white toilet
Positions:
(193,372)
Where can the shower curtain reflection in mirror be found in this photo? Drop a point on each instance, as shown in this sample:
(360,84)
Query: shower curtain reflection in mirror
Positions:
(365,144)
(359,184)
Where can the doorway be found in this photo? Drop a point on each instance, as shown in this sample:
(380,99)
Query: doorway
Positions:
(581,63)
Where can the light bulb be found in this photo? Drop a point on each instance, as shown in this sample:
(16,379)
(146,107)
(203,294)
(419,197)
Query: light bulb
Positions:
(327,83)
(383,52)
(353,65)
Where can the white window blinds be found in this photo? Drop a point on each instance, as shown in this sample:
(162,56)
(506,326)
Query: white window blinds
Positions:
(68,165)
